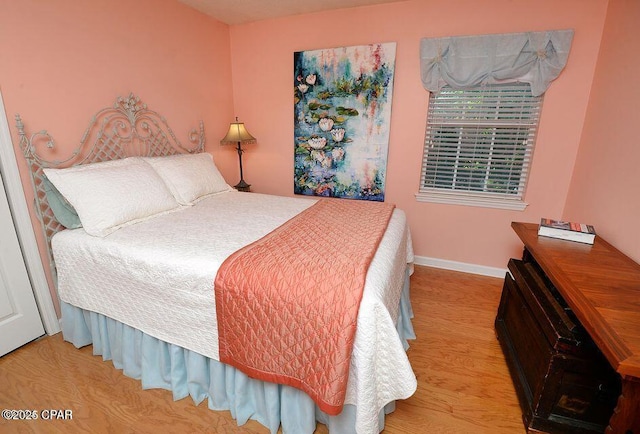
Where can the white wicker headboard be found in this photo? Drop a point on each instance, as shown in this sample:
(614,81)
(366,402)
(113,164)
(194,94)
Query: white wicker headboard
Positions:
(125,129)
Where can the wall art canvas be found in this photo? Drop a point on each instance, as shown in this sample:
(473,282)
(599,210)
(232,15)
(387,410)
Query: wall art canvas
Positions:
(342,108)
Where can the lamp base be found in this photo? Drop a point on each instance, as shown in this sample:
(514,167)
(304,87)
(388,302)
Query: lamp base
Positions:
(242,186)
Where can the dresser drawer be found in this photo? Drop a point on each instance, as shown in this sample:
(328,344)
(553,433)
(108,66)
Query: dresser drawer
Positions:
(556,321)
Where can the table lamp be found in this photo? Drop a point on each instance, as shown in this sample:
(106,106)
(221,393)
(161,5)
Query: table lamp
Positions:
(238,135)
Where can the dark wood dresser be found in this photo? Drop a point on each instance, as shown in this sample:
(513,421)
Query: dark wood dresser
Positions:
(569,325)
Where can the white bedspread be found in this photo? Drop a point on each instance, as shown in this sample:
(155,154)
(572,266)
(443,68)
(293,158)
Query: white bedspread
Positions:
(157,276)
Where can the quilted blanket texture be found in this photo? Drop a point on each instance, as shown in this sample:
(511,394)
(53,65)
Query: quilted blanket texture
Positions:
(287,305)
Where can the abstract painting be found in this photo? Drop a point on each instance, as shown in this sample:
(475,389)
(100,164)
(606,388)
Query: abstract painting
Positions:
(342,113)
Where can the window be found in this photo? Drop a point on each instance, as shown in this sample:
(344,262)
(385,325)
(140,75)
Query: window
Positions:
(478,145)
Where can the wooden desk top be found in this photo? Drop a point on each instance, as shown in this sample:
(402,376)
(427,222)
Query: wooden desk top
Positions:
(601,285)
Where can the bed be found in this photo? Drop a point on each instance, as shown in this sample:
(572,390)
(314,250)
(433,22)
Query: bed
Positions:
(135,269)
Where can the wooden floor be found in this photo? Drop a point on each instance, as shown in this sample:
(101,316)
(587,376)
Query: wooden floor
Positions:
(463,381)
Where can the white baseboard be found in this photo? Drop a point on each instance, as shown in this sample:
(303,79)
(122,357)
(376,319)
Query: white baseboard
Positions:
(460,266)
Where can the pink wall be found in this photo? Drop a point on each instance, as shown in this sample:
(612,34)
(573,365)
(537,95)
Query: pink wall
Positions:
(63,60)
(262,65)
(605,186)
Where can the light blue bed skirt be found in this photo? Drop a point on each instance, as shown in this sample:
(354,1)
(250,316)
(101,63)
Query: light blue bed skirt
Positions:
(158,364)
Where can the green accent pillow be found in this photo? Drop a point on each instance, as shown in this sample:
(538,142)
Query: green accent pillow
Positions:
(62,209)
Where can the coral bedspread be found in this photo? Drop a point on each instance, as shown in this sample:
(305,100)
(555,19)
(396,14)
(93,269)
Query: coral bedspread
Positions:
(287,304)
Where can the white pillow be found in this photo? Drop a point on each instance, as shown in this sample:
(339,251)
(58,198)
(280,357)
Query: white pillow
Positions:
(189,176)
(113,194)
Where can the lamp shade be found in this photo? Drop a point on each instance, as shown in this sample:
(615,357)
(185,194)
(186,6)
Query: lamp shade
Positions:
(237,133)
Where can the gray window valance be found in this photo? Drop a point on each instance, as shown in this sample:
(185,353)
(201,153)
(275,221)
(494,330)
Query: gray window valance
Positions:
(466,61)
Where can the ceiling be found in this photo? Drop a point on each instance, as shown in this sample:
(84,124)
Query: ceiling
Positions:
(245,11)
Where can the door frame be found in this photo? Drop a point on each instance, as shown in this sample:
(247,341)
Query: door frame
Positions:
(24,227)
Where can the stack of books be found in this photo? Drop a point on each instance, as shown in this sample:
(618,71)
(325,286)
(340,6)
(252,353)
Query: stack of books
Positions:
(570,231)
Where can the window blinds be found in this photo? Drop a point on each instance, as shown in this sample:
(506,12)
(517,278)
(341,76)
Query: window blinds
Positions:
(480,140)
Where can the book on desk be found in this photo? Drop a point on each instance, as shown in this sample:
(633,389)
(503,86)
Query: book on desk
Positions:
(578,232)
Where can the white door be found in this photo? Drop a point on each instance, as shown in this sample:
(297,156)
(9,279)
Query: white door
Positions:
(19,317)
